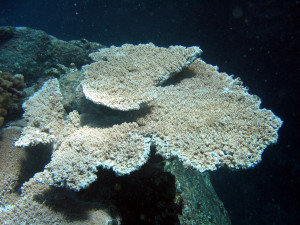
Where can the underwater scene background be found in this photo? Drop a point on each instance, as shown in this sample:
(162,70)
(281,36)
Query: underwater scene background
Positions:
(257,41)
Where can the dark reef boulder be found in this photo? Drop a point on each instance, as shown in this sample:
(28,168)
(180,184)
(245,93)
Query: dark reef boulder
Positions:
(6,33)
(33,52)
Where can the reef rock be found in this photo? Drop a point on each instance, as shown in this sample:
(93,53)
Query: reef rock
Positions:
(33,52)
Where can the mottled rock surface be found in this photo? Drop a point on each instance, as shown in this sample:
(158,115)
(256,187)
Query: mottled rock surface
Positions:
(194,191)
(33,52)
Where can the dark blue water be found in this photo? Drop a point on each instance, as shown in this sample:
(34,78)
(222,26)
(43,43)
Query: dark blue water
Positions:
(255,40)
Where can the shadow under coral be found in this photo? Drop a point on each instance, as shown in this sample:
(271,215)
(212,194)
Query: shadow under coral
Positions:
(34,161)
(145,196)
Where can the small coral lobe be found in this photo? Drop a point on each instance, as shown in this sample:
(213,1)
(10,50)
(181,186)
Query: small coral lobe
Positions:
(11,94)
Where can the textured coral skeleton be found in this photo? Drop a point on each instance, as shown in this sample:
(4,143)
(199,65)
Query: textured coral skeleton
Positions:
(40,111)
(210,120)
(125,77)
(205,118)
(76,160)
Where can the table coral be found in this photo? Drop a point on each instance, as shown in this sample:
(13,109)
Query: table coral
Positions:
(125,77)
(209,120)
(40,110)
(74,164)
(205,118)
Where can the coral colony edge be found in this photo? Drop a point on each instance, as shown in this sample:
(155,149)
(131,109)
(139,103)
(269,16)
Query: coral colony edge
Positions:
(166,99)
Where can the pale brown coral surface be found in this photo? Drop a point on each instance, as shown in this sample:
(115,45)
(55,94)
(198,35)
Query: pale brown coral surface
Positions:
(75,163)
(210,120)
(10,165)
(41,204)
(205,118)
(36,203)
(44,115)
(125,77)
